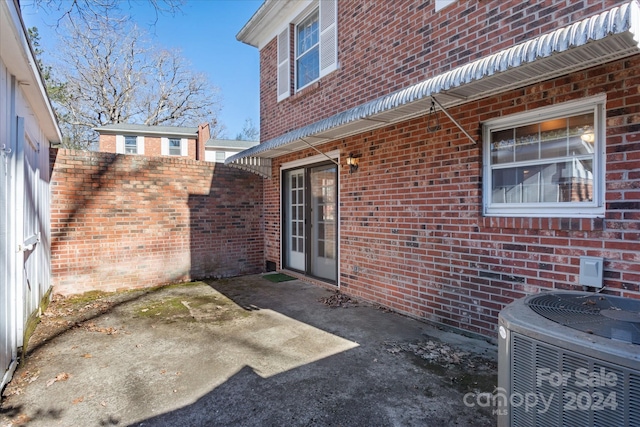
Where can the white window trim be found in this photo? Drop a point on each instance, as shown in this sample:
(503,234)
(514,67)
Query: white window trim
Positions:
(441,4)
(121,147)
(165,149)
(119,144)
(164,146)
(283,69)
(318,158)
(224,156)
(184,147)
(328,45)
(140,144)
(594,209)
(335,155)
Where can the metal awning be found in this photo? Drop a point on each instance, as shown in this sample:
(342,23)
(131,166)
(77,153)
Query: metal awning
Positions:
(599,39)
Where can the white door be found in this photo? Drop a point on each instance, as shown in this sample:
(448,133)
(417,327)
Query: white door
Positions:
(294,220)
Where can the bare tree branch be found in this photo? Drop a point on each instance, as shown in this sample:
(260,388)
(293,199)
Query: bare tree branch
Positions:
(112,75)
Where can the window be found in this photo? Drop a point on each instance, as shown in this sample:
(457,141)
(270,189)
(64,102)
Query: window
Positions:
(315,49)
(221,156)
(547,162)
(175,148)
(130,145)
(307,51)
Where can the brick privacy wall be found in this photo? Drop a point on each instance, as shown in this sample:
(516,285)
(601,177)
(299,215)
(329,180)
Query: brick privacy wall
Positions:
(412,234)
(384,46)
(125,221)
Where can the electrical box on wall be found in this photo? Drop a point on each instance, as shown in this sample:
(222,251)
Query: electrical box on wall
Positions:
(591,271)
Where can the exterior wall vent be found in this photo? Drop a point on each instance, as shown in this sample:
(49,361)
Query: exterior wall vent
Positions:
(569,359)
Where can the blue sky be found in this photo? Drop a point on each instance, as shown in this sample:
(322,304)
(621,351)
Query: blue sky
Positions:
(205,31)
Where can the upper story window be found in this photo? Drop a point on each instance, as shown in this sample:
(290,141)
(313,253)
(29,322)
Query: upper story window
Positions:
(221,156)
(175,148)
(547,162)
(315,50)
(307,51)
(130,144)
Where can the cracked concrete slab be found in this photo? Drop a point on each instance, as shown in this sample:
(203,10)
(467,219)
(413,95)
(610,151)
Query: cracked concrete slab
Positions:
(245,352)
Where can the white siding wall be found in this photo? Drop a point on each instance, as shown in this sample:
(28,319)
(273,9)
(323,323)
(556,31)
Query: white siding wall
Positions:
(24,218)
(37,268)
(8,288)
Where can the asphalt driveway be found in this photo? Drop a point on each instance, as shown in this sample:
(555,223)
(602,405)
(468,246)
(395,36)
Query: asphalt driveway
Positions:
(244,352)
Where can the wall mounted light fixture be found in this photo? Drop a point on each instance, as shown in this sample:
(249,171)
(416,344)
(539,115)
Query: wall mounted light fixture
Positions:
(352,161)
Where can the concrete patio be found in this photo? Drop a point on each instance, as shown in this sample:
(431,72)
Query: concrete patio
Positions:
(244,352)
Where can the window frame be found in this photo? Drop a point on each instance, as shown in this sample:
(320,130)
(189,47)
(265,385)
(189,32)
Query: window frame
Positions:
(179,147)
(135,138)
(590,209)
(297,57)
(219,154)
(441,4)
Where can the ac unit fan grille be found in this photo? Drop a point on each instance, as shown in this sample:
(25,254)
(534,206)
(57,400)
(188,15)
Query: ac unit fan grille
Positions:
(602,315)
(529,356)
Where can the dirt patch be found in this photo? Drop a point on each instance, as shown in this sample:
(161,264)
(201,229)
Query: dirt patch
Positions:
(468,371)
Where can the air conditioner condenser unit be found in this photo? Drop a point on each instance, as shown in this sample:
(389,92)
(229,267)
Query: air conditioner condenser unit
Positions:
(569,359)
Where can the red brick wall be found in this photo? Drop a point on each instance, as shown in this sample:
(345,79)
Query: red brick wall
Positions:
(122,221)
(412,234)
(384,46)
(107,143)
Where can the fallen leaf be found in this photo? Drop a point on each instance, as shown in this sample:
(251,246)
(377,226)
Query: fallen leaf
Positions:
(62,376)
(87,356)
(20,419)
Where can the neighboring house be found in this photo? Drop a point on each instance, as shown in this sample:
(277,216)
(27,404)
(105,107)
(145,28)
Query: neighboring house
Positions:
(145,140)
(28,127)
(491,145)
(217,150)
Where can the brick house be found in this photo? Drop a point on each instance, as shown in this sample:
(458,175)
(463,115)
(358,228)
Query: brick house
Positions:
(445,158)
(218,150)
(180,141)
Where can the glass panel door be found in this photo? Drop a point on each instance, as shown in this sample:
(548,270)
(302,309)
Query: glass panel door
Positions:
(323,216)
(294,221)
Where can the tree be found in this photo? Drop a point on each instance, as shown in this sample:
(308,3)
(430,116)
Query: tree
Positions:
(111,74)
(54,88)
(249,132)
(88,12)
